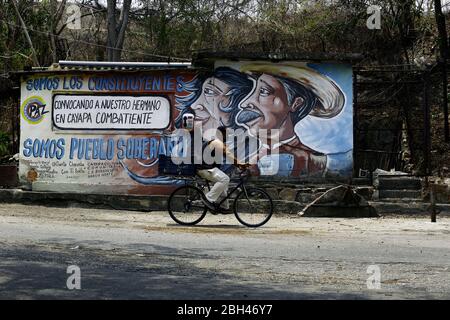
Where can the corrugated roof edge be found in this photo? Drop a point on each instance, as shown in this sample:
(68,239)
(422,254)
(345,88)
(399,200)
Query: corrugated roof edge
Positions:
(103,66)
(120,65)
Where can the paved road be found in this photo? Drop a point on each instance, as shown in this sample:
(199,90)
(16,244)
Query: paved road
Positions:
(145,256)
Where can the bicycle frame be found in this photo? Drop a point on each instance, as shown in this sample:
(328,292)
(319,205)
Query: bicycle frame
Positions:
(198,183)
(241,183)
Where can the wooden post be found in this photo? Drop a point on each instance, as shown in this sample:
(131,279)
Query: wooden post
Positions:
(427,122)
(433,202)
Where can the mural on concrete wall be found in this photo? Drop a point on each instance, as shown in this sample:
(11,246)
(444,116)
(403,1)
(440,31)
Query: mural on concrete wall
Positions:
(103,132)
(99,131)
(309,105)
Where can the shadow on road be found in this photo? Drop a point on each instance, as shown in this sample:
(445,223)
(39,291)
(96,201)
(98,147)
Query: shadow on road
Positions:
(35,272)
(218,226)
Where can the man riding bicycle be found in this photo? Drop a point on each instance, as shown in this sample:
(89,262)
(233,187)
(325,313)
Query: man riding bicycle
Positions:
(188,204)
(212,171)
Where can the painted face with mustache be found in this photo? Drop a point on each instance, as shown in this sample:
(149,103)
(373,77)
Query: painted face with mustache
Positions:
(208,108)
(267,107)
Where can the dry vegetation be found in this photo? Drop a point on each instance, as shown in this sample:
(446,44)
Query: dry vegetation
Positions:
(172,30)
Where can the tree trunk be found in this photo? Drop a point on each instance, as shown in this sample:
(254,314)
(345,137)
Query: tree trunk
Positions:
(116,30)
(57,13)
(111,20)
(443,46)
(442,31)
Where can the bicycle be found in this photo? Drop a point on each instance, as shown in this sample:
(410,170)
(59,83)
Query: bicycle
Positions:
(252,206)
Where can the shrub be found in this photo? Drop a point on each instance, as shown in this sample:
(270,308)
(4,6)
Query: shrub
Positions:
(4,143)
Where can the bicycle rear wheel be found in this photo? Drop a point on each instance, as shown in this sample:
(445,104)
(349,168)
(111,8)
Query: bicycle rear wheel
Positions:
(253,207)
(185,205)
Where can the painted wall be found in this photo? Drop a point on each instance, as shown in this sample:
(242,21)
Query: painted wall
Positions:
(102,132)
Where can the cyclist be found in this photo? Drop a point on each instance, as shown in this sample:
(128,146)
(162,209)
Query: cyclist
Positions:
(213,173)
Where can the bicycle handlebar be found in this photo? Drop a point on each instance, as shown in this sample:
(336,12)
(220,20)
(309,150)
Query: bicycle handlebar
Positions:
(244,171)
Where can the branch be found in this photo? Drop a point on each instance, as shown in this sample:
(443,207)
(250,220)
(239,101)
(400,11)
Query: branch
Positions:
(60,11)
(82,16)
(25,31)
(123,23)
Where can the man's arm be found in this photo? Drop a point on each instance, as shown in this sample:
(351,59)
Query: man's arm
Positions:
(219,145)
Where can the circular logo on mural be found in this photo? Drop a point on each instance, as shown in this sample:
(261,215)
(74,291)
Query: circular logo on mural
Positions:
(33,110)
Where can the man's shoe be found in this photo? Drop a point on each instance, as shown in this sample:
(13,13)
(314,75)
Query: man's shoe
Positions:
(226,210)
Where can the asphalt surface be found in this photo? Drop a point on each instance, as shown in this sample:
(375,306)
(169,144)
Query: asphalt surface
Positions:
(130,255)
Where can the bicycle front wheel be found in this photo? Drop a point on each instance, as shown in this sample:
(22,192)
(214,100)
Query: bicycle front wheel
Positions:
(253,207)
(185,205)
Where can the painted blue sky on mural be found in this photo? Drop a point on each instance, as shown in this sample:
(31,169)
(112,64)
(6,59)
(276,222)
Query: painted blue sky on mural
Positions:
(331,135)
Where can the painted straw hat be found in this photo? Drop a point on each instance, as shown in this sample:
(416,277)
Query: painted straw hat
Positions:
(331,98)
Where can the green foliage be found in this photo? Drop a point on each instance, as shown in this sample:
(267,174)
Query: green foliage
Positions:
(175,28)
(4,143)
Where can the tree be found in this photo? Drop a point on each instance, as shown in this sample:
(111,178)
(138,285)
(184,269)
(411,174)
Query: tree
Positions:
(116,29)
(443,46)
(56,13)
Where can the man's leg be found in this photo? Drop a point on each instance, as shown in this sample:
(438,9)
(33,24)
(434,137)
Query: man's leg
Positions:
(221,183)
(225,203)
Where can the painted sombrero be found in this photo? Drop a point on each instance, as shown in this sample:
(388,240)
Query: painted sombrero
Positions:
(330,96)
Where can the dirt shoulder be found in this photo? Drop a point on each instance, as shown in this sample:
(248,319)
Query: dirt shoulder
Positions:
(226,224)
